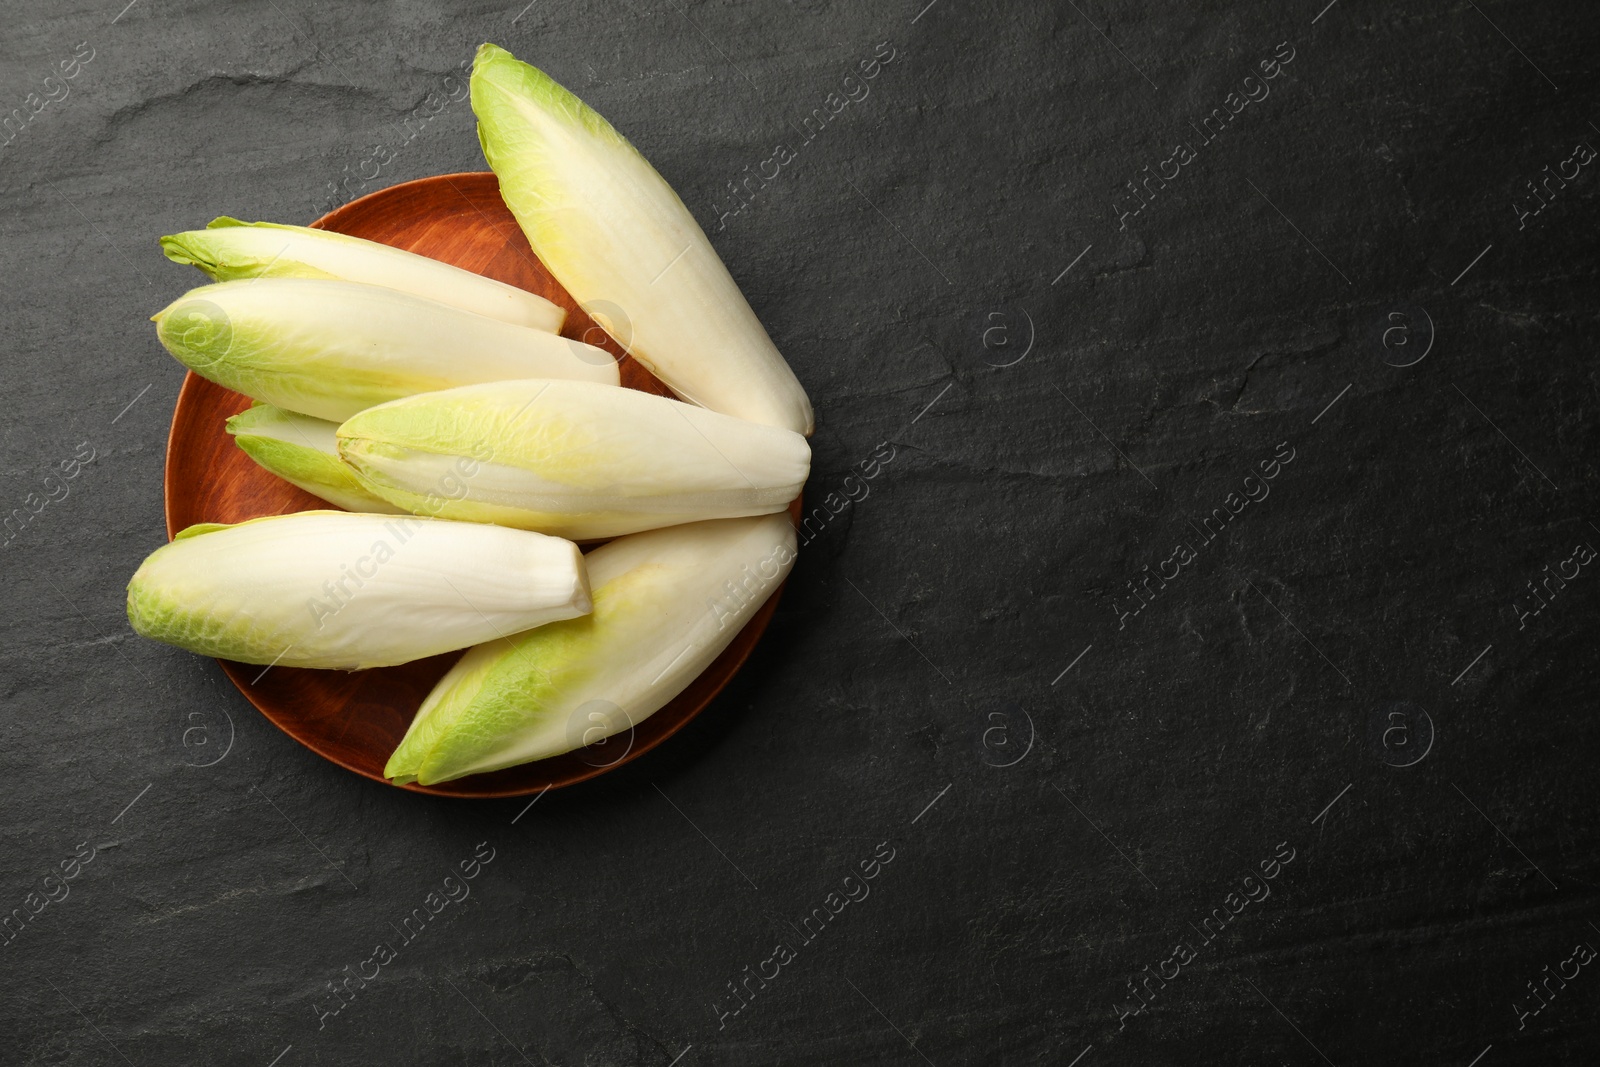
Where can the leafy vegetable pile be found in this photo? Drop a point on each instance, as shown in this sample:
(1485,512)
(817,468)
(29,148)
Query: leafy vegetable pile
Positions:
(465,439)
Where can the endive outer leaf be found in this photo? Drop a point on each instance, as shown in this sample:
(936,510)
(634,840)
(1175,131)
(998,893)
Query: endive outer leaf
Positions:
(330,349)
(571,458)
(228,249)
(666,603)
(331,589)
(303,451)
(620,241)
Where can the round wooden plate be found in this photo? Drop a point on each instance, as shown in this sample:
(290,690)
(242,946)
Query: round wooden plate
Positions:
(357,719)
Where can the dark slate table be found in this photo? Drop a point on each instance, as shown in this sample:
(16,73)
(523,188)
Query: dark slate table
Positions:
(1207,676)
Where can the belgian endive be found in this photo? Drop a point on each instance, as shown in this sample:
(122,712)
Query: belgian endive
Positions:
(228,249)
(330,349)
(666,603)
(571,458)
(623,244)
(331,589)
(303,451)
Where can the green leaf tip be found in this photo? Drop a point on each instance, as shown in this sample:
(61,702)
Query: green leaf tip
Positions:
(248,418)
(178,249)
(496,70)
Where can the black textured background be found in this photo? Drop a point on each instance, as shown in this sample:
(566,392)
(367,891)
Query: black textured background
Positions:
(944,266)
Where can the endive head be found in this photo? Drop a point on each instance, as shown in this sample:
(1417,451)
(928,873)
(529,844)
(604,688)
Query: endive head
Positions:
(666,604)
(570,450)
(331,589)
(616,236)
(331,348)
